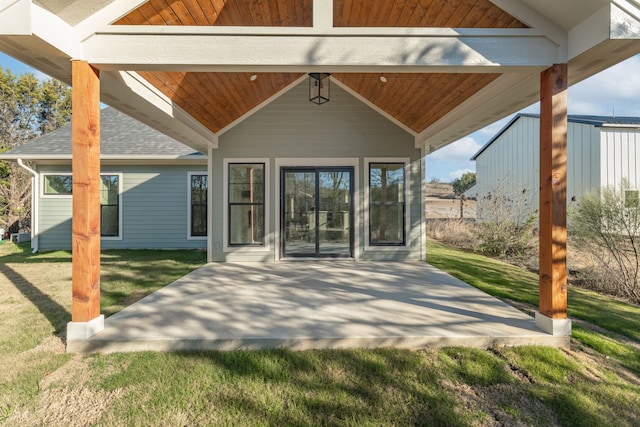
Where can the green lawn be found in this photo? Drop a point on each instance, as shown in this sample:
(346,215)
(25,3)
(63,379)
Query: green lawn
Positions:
(41,385)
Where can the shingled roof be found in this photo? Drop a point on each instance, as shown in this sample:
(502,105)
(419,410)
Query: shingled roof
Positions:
(597,121)
(121,137)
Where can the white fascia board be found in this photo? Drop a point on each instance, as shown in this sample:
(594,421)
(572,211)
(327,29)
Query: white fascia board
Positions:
(619,20)
(130,93)
(105,16)
(191,49)
(507,94)
(15,17)
(136,158)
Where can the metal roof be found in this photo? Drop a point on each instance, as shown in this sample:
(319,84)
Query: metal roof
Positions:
(596,121)
(121,137)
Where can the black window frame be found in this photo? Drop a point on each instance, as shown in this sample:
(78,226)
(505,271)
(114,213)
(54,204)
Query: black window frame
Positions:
(108,205)
(402,203)
(230,205)
(192,211)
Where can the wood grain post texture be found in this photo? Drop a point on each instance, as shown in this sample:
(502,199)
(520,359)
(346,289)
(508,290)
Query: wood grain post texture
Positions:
(85,138)
(553,192)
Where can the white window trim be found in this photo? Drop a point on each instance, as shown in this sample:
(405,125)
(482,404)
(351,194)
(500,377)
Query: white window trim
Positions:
(353,162)
(43,195)
(407,204)
(70,196)
(225,201)
(120,186)
(189,175)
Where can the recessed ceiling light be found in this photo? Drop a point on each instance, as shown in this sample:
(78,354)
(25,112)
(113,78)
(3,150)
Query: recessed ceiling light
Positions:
(383,79)
(253,77)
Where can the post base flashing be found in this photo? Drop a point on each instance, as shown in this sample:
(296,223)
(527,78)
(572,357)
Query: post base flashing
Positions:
(84,330)
(553,326)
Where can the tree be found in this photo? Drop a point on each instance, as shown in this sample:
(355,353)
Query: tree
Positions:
(465,182)
(28,108)
(462,184)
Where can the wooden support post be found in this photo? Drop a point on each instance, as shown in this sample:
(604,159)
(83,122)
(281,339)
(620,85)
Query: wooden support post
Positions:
(553,192)
(85,136)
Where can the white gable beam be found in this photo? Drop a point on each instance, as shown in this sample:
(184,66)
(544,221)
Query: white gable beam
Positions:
(105,16)
(201,49)
(323,14)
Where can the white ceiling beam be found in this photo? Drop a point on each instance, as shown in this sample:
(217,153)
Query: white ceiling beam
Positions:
(105,16)
(438,50)
(323,14)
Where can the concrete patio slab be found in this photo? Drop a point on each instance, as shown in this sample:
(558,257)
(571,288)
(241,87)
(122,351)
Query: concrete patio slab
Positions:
(312,305)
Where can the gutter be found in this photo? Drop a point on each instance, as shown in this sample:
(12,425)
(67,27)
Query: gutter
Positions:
(34,204)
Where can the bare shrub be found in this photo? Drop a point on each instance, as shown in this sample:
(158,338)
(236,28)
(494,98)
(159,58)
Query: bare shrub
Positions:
(606,226)
(507,225)
(454,232)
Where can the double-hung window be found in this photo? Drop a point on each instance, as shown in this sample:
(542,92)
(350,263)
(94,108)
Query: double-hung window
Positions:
(246,204)
(198,184)
(109,205)
(387,204)
(61,185)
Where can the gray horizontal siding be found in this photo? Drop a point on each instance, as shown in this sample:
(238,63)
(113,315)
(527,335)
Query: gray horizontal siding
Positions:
(154,210)
(292,127)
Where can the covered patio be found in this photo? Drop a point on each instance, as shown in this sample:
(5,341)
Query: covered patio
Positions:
(230,306)
(215,76)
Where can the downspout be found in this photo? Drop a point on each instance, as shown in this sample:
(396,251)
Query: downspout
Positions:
(34,205)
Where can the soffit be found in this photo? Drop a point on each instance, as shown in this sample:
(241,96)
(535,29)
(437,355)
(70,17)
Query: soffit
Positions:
(567,13)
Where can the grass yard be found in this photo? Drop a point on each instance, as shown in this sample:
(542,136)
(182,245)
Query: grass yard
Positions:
(595,383)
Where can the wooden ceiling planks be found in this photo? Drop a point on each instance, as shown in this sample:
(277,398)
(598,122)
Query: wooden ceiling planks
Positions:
(422,13)
(241,13)
(417,100)
(218,99)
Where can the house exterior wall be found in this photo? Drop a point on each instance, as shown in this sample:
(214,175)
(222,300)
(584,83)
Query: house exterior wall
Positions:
(620,155)
(154,209)
(510,166)
(291,131)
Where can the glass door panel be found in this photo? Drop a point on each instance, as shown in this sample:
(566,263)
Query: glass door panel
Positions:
(299,208)
(317,212)
(334,213)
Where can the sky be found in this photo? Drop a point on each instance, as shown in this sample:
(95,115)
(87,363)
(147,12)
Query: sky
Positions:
(615,91)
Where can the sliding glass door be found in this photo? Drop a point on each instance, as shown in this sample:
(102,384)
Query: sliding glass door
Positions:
(317,212)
